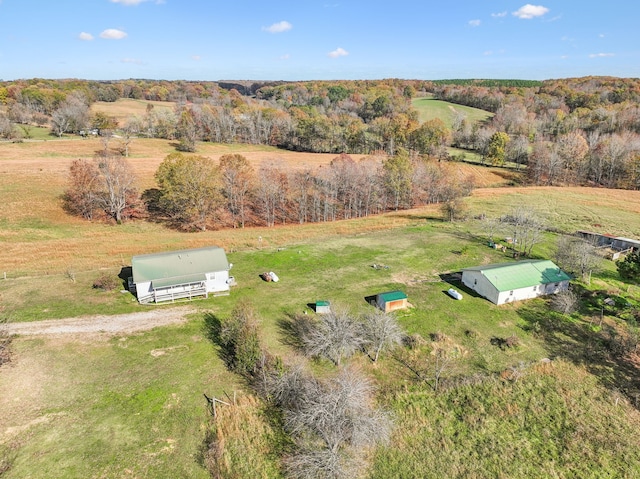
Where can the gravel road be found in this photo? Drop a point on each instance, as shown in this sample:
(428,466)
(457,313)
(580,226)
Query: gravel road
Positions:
(119,323)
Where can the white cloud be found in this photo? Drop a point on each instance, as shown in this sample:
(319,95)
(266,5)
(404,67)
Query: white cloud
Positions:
(279,27)
(128,2)
(338,52)
(601,35)
(134,61)
(474,23)
(196,58)
(113,34)
(601,55)
(85,36)
(286,56)
(499,14)
(529,11)
(487,53)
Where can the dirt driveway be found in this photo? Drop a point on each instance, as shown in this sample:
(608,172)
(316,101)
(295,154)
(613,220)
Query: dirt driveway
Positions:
(119,323)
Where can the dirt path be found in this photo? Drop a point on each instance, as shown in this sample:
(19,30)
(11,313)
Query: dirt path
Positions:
(120,323)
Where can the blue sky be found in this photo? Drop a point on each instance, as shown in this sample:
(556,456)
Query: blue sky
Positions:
(318,39)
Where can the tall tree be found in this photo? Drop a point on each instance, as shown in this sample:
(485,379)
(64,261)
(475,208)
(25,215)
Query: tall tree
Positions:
(117,191)
(238,178)
(107,183)
(397,172)
(190,189)
(496,151)
(187,130)
(578,256)
(80,196)
(272,192)
(72,115)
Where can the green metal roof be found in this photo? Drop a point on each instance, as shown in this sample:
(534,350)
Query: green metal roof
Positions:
(322,303)
(178,267)
(521,274)
(392,296)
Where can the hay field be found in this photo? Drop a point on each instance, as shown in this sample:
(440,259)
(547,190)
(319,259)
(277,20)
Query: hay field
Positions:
(124,108)
(39,237)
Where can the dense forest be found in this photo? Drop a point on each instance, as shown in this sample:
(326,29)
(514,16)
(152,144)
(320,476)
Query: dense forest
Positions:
(577,131)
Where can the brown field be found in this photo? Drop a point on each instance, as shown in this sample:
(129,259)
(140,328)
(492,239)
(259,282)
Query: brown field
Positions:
(124,108)
(40,238)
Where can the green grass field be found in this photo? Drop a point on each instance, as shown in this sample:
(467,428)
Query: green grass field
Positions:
(429,109)
(80,406)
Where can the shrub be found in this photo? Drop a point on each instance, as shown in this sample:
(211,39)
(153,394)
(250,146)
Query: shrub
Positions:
(106,282)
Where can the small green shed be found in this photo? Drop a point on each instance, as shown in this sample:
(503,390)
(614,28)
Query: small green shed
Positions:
(392,301)
(323,307)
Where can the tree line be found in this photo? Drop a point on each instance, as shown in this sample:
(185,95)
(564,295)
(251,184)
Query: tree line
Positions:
(582,131)
(196,192)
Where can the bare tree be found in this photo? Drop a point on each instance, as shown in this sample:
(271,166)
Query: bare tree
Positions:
(380,331)
(131,128)
(335,335)
(331,423)
(577,255)
(439,364)
(527,228)
(272,191)
(72,115)
(565,302)
(237,178)
(6,127)
(116,186)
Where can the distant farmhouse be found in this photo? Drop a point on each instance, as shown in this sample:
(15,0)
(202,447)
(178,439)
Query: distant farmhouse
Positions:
(183,274)
(507,282)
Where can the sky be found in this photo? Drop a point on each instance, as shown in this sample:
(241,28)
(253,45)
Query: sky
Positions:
(211,40)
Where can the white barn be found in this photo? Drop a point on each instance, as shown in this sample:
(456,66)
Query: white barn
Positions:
(182,274)
(507,282)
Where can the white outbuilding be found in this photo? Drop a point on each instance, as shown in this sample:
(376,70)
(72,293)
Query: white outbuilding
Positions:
(182,274)
(506,282)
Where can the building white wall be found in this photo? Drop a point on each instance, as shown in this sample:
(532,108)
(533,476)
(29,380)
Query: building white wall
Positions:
(217,282)
(476,281)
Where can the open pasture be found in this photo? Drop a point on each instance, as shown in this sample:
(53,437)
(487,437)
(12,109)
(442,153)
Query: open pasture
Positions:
(125,108)
(430,109)
(132,405)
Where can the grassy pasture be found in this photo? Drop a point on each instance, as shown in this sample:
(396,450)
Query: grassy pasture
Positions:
(94,406)
(144,414)
(430,109)
(125,108)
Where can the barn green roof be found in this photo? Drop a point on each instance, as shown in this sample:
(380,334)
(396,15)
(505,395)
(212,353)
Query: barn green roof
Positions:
(521,274)
(178,267)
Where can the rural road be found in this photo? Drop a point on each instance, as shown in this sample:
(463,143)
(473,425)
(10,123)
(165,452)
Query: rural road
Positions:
(119,323)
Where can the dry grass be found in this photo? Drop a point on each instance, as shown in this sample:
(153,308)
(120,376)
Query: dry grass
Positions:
(124,108)
(40,238)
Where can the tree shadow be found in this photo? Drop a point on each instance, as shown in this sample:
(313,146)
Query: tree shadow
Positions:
(212,331)
(291,329)
(597,348)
